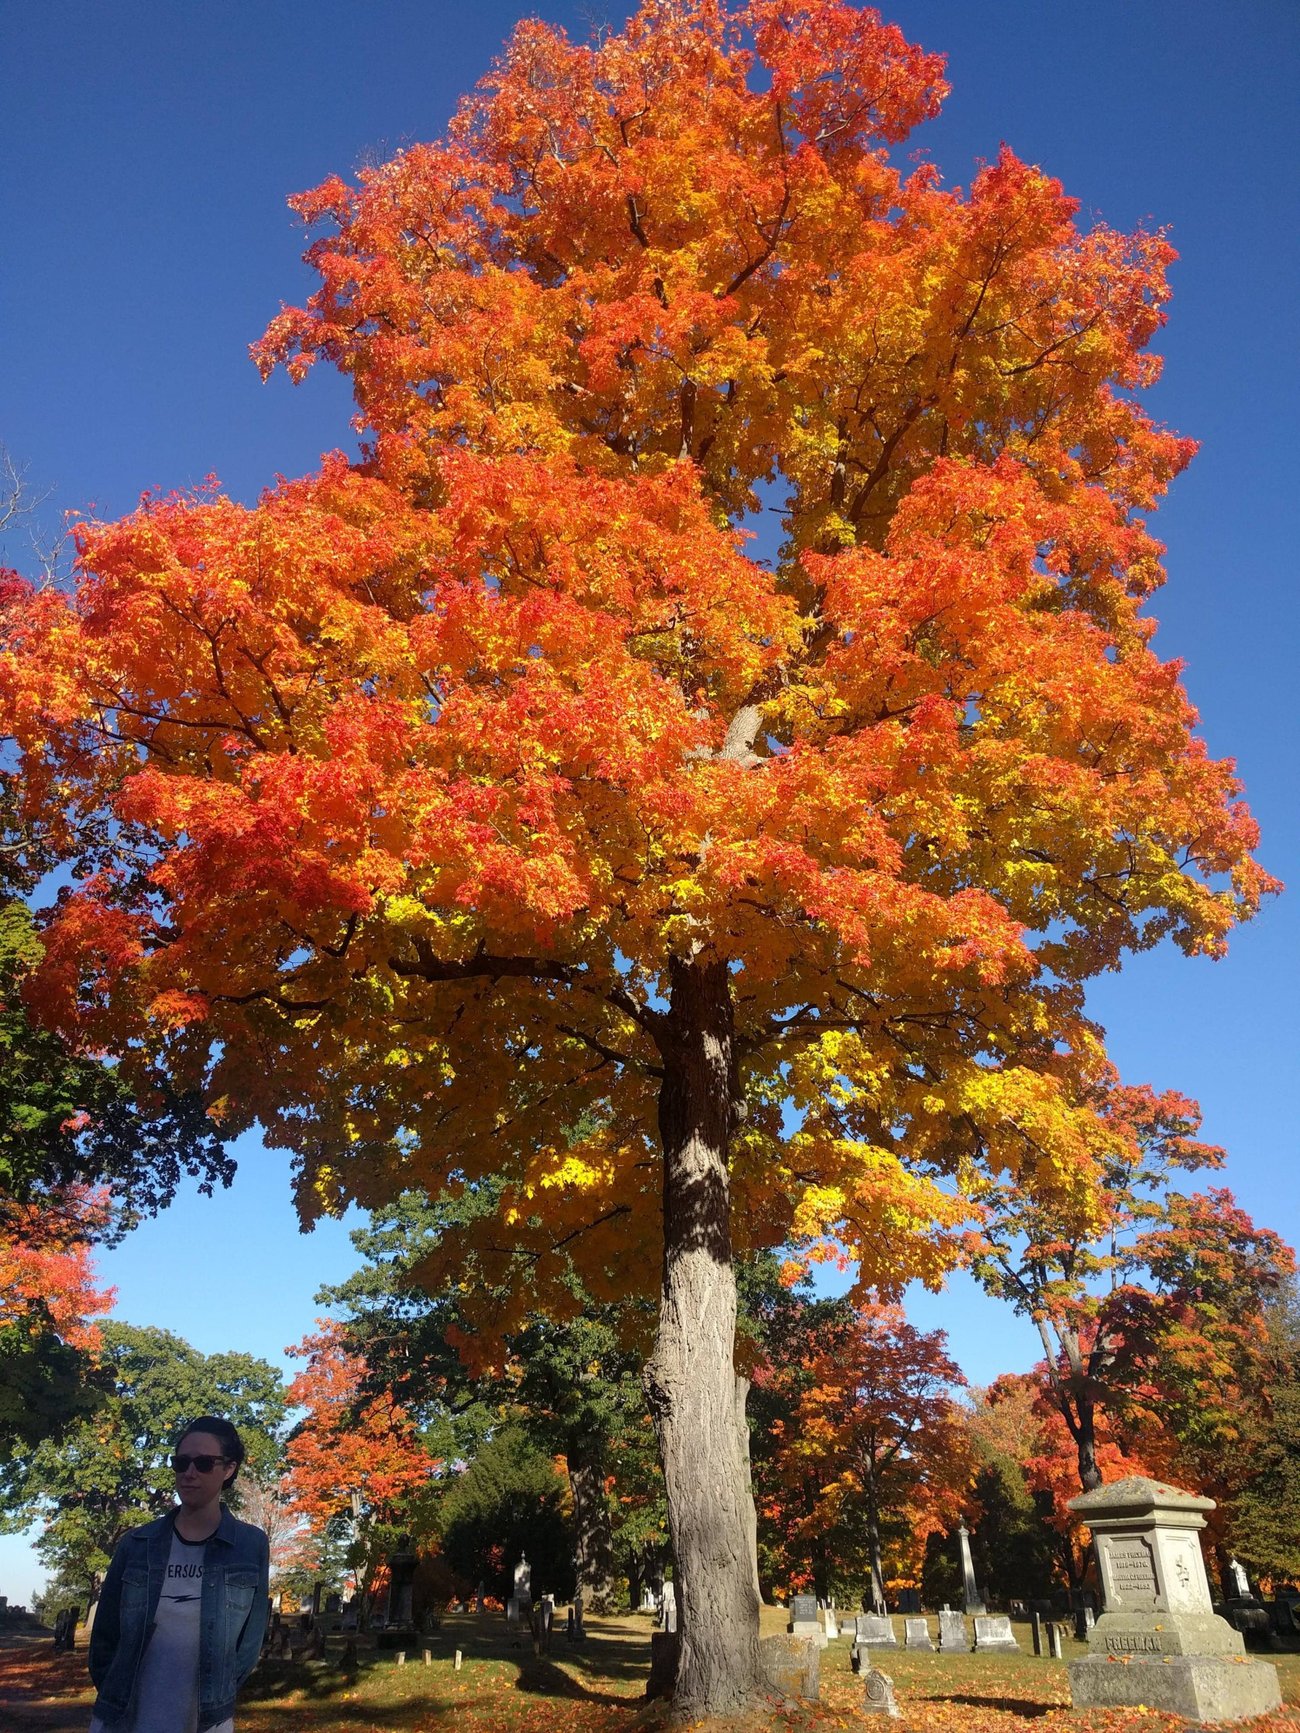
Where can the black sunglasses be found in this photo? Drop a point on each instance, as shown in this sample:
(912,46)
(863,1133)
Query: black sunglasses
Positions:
(204,1464)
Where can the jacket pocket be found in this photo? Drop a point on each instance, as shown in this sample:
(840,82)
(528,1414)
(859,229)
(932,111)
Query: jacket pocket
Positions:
(241,1586)
(135,1593)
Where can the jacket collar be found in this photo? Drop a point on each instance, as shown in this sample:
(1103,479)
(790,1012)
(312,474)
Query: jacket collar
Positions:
(159,1533)
(227,1528)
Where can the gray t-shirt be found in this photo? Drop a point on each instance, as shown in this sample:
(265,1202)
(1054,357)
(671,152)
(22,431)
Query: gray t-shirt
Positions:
(167,1693)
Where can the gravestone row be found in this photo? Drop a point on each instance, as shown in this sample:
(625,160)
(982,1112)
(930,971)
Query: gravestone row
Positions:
(876,1631)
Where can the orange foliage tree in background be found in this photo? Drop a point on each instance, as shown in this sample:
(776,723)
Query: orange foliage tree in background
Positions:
(873,1439)
(484,808)
(1069,1265)
(354,1460)
(1043,1448)
(49,1302)
(1150,1305)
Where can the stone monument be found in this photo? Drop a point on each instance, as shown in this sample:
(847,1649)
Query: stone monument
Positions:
(1159,1641)
(792,1667)
(399,1625)
(543,1618)
(519,1608)
(874,1631)
(805,1621)
(870,1631)
(916,1634)
(993,1631)
(972,1601)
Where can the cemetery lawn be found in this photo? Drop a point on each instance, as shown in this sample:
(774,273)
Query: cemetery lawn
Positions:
(599,1689)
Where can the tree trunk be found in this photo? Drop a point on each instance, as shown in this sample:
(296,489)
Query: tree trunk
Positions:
(697,1402)
(1085,1438)
(1073,1397)
(873,1541)
(597,1580)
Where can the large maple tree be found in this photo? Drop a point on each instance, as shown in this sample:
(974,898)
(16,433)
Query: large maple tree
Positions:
(488,787)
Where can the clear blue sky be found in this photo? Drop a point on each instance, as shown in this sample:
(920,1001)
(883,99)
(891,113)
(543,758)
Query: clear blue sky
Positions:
(148,151)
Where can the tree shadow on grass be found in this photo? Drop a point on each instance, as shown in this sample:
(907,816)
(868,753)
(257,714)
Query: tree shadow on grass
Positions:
(413,1716)
(1008,1705)
(43,1673)
(545,1679)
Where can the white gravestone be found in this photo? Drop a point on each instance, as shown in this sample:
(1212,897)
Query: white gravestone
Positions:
(870,1631)
(993,1631)
(1177,1654)
(952,1632)
(916,1634)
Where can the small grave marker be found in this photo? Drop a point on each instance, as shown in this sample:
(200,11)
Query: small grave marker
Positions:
(878,1694)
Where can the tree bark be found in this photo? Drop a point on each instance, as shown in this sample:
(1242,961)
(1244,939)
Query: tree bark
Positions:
(1085,1438)
(873,1541)
(597,1580)
(695,1397)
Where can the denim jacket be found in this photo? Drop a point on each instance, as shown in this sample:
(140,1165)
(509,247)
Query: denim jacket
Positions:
(233,1616)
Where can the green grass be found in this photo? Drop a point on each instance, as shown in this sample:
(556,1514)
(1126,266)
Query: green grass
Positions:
(599,1688)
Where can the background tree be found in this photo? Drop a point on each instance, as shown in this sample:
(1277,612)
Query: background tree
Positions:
(354,1463)
(1068,1265)
(779,1324)
(49,1339)
(110,1470)
(574,1384)
(487,783)
(1017,1552)
(1265,1531)
(509,1501)
(875,1435)
(264,1500)
(1199,1355)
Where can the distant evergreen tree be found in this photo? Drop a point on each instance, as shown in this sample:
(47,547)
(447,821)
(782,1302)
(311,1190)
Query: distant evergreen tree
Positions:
(509,1503)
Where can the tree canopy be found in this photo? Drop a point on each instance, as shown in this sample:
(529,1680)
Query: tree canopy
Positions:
(491,785)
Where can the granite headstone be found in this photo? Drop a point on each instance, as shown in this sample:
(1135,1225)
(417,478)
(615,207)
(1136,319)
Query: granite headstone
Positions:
(1179,1656)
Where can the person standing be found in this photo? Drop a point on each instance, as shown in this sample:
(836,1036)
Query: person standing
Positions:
(184,1604)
